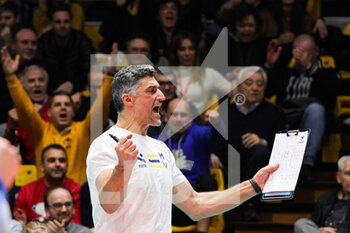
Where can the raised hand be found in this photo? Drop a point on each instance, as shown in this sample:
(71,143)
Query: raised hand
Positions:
(321,28)
(9,65)
(272,53)
(112,59)
(127,152)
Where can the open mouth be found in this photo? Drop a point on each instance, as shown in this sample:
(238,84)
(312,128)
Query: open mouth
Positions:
(169,17)
(156,109)
(63,116)
(37,91)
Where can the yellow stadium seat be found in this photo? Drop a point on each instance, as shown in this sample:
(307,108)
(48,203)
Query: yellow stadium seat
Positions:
(313,8)
(330,152)
(26,175)
(92,31)
(346,30)
(217,224)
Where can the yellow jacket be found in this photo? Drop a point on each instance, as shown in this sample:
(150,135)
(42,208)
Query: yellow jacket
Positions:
(75,139)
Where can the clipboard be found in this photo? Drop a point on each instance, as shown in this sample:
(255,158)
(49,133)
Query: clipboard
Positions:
(288,150)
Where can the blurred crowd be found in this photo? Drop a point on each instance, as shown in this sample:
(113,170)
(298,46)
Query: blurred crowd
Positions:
(282,73)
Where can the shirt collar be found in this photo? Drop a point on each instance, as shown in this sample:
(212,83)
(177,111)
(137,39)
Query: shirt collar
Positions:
(251,109)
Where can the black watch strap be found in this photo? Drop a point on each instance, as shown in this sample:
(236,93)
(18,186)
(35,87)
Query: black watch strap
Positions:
(255,186)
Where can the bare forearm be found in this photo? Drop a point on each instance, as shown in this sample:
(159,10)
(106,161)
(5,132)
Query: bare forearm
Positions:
(112,193)
(213,203)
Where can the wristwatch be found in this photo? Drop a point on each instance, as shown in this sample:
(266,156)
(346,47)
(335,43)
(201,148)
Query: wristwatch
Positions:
(255,186)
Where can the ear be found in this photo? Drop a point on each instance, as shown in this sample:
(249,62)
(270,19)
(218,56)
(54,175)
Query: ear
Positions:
(42,167)
(338,177)
(47,213)
(49,113)
(128,100)
(317,51)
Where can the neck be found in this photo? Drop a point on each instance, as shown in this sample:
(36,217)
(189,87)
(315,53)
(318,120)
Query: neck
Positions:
(168,31)
(246,106)
(129,122)
(53,182)
(61,128)
(42,102)
(306,66)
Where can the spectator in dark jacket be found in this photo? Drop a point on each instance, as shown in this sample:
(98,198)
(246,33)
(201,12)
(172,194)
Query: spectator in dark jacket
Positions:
(306,92)
(332,212)
(65,53)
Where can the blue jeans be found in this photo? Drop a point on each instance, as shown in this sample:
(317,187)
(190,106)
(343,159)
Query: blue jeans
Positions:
(314,118)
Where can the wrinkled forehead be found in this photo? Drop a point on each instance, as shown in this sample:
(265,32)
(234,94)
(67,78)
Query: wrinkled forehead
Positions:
(33,73)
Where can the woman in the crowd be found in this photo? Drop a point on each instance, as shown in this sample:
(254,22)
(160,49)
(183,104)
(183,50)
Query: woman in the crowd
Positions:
(195,83)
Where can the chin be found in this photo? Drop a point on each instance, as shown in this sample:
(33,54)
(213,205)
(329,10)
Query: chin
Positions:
(157,123)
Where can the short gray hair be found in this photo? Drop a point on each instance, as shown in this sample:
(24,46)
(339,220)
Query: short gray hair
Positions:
(127,81)
(341,162)
(31,67)
(240,76)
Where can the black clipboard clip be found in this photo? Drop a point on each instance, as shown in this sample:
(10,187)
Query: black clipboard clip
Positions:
(294,132)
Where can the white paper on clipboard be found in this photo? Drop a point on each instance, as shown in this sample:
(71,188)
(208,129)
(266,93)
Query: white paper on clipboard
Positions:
(288,150)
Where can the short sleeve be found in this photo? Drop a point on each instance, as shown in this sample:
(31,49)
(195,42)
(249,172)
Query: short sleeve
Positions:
(101,156)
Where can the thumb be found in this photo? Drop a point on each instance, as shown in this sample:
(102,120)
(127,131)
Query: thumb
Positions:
(17,58)
(279,49)
(63,222)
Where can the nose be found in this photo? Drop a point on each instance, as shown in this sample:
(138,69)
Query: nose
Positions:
(177,117)
(30,45)
(254,86)
(64,208)
(161,96)
(36,83)
(187,51)
(57,163)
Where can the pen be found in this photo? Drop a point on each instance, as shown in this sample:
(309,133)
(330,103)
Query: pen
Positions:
(114,137)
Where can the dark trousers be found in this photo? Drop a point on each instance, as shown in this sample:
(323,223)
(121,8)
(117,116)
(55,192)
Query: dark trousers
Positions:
(252,160)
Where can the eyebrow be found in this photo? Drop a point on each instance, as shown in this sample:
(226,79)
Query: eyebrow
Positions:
(152,86)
